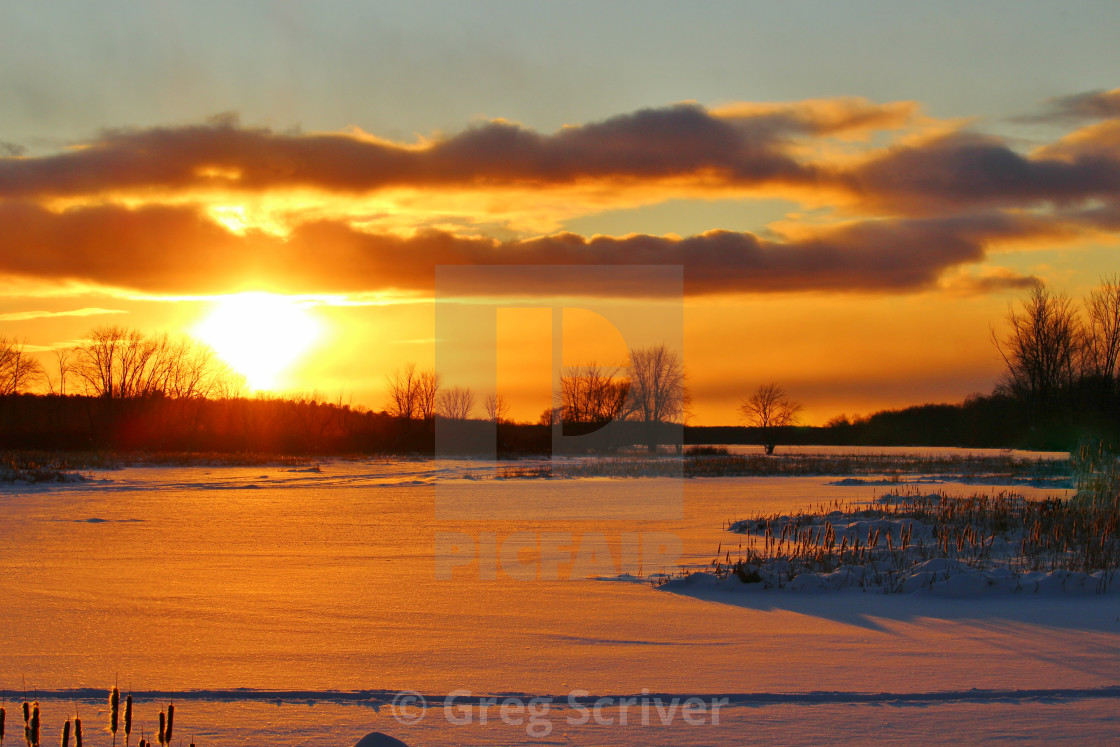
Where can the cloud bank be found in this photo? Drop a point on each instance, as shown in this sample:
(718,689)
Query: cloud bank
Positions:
(163,249)
(914,203)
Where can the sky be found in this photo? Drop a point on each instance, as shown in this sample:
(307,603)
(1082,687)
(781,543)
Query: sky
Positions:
(850,194)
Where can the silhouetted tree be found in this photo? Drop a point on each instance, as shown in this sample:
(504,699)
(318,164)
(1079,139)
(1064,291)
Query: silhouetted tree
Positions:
(64,362)
(427,394)
(455,403)
(119,363)
(1042,349)
(18,370)
(591,394)
(657,390)
(404,386)
(1102,331)
(497,409)
(770,410)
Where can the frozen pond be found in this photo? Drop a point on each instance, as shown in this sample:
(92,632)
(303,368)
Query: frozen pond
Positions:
(375,576)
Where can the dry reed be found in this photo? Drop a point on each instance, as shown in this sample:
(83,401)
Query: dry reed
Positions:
(979,531)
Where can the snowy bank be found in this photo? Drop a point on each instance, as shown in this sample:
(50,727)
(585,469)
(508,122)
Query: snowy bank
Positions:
(931,544)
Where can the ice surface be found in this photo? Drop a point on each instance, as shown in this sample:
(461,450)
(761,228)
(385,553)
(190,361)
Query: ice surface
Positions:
(313,583)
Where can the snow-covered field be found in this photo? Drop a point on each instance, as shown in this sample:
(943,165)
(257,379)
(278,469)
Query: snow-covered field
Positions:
(289,607)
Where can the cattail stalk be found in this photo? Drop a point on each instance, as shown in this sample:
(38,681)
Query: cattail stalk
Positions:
(170,720)
(35,725)
(3,714)
(162,726)
(127,718)
(114,712)
(77,732)
(66,734)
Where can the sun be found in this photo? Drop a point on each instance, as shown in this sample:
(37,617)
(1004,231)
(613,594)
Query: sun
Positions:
(260,334)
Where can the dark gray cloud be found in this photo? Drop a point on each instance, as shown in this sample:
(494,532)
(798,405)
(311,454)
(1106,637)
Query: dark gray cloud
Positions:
(1082,106)
(648,144)
(964,170)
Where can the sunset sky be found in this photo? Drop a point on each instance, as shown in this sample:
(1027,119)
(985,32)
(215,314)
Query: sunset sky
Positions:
(854,192)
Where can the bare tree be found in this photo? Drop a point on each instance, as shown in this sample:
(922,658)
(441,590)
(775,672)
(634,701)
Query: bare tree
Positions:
(403,385)
(1102,331)
(120,363)
(592,394)
(18,370)
(95,361)
(657,389)
(139,369)
(226,383)
(770,410)
(1042,349)
(64,362)
(188,369)
(497,409)
(455,403)
(427,394)
(117,363)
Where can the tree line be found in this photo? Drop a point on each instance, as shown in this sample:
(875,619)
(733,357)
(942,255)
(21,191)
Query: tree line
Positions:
(649,391)
(128,389)
(1060,383)
(121,388)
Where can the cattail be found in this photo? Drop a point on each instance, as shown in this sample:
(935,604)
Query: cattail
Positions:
(66,734)
(77,732)
(35,725)
(170,720)
(3,714)
(114,711)
(162,726)
(127,718)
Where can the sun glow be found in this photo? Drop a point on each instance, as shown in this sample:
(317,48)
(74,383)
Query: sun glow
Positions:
(260,334)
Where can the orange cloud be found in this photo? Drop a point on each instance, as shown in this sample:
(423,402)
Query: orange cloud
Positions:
(179,250)
(851,115)
(219,207)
